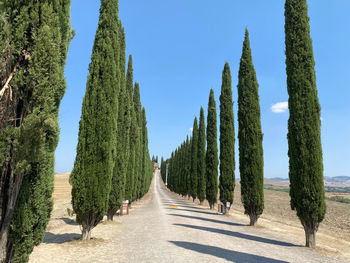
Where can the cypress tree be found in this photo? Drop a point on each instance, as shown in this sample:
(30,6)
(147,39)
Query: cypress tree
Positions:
(139,143)
(304,125)
(188,168)
(145,155)
(132,170)
(201,158)
(117,193)
(227,139)
(212,153)
(130,175)
(162,168)
(194,158)
(251,164)
(34,39)
(93,168)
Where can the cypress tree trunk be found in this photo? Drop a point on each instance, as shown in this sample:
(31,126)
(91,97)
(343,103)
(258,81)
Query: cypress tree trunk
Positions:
(194,162)
(201,158)
(212,153)
(227,139)
(251,164)
(93,169)
(304,125)
(34,39)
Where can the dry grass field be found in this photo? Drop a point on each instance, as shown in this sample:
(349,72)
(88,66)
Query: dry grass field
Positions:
(334,232)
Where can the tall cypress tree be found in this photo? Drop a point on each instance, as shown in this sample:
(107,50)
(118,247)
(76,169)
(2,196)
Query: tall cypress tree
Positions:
(201,158)
(93,168)
(130,176)
(227,139)
(34,42)
(304,125)
(117,193)
(145,156)
(194,158)
(132,170)
(139,143)
(212,153)
(188,168)
(251,163)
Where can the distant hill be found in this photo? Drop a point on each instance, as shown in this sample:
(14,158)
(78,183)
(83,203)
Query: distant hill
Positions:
(336,181)
(279,179)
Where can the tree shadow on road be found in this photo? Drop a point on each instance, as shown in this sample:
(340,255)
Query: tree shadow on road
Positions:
(240,235)
(208,220)
(68,221)
(51,238)
(194,211)
(227,254)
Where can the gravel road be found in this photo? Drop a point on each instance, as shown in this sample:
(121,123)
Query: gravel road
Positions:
(168,229)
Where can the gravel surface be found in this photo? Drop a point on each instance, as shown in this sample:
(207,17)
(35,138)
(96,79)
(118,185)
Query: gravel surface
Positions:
(165,228)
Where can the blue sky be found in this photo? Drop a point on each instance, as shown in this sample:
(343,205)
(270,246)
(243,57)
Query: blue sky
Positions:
(179,49)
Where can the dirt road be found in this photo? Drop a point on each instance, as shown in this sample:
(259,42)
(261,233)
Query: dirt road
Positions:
(169,229)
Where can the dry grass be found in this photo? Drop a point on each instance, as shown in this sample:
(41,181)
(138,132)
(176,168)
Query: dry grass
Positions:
(334,231)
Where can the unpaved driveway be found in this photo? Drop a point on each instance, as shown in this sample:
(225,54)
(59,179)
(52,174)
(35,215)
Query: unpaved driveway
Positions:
(169,229)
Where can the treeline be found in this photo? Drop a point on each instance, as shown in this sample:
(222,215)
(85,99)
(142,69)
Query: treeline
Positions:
(113,161)
(193,166)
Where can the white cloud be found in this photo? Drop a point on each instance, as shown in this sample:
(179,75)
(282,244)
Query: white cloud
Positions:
(280,107)
(191,129)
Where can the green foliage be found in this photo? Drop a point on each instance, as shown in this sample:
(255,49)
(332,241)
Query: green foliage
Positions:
(117,192)
(227,139)
(38,35)
(304,125)
(139,142)
(251,163)
(95,160)
(212,153)
(201,158)
(147,164)
(188,165)
(130,176)
(194,160)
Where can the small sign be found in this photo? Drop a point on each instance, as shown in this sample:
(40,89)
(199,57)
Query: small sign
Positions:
(228,204)
(124,207)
